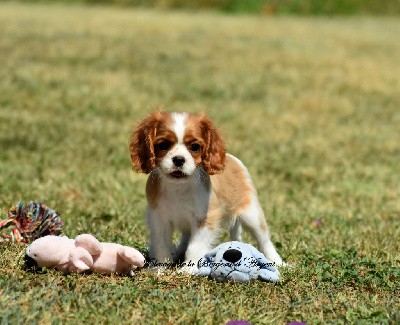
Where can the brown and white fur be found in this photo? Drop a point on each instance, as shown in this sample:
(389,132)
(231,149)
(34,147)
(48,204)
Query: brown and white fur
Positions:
(194,187)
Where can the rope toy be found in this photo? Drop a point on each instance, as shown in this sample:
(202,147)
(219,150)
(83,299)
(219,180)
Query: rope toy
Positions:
(30,221)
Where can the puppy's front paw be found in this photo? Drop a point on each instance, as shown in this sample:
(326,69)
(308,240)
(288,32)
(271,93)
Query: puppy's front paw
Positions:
(188,268)
(159,270)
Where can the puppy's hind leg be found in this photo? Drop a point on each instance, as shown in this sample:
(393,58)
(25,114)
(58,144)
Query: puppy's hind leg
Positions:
(253,219)
(236,230)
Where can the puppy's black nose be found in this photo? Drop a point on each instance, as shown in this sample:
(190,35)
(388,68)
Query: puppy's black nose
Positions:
(232,255)
(178,161)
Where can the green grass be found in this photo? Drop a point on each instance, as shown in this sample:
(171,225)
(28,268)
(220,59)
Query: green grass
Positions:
(311,106)
(263,7)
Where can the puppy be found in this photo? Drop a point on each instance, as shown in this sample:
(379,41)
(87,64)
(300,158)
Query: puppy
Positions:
(194,187)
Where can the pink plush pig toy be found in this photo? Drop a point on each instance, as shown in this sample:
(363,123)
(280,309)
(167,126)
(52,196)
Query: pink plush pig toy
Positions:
(84,253)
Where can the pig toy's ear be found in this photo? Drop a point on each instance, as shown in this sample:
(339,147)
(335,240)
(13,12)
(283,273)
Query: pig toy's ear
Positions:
(81,260)
(90,243)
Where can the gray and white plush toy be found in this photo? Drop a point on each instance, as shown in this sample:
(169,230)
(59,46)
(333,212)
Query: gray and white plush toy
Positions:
(238,262)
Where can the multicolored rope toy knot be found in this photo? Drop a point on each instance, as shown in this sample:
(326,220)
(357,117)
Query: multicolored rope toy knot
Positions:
(30,222)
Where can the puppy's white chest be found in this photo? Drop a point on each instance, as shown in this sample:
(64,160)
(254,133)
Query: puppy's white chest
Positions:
(183,205)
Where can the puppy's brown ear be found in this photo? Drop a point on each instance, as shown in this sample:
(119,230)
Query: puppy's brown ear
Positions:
(141,145)
(214,152)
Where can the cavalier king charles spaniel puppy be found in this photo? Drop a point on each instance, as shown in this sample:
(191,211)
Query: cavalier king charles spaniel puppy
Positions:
(194,187)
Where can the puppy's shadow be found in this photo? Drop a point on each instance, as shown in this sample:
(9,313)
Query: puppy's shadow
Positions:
(151,263)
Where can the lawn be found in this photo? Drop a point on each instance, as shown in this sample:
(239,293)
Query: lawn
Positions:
(310,105)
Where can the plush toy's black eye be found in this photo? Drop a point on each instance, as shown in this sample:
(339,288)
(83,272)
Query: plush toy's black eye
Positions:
(164,145)
(232,255)
(194,147)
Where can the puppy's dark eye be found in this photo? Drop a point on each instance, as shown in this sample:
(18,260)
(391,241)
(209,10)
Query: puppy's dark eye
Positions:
(164,145)
(194,147)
